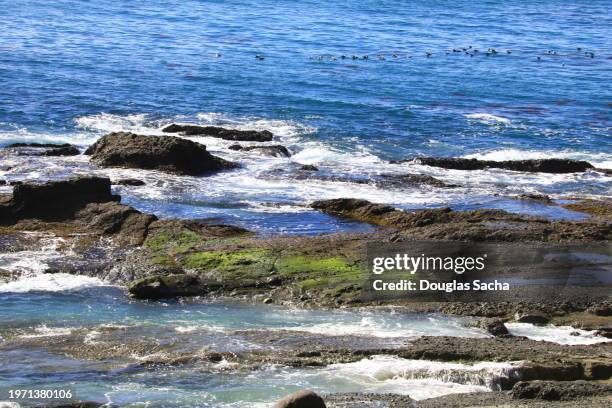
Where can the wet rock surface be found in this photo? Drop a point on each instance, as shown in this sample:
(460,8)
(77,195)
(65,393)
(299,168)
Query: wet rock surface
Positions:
(559,390)
(44,149)
(539,165)
(475,225)
(163,153)
(221,133)
(55,200)
(272,150)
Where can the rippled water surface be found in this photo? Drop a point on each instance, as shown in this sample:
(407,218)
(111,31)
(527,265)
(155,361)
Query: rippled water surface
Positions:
(72,71)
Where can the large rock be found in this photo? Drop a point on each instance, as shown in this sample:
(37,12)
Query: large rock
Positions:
(56,200)
(164,153)
(83,202)
(44,149)
(539,165)
(221,133)
(301,399)
(274,150)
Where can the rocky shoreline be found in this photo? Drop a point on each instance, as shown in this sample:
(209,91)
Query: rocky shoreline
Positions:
(156,259)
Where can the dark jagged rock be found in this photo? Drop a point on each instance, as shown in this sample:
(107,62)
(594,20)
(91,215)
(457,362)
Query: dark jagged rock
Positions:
(129,182)
(403,180)
(86,202)
(274,150)
(538,165)
(164,153)
(159,287)
(309,167)
(474,225)
(221,133)
(533,318)
(301,399)
(45,149)
(558,390)
(56,200)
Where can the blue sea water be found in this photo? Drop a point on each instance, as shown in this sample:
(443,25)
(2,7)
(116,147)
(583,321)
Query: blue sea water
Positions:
(72,71)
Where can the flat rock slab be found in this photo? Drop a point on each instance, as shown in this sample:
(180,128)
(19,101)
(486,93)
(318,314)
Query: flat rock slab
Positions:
(221,133)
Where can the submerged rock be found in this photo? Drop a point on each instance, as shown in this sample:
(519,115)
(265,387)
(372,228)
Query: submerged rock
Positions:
(301,399)
(404,180)
(164,153)
(44,149)
(537,165)
(542,198)
(221,133)
(274,150)
(309,167)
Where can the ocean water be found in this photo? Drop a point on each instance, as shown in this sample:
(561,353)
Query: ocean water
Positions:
(72,71)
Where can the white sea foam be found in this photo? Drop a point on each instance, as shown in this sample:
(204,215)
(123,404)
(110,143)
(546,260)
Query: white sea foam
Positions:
(25,136)
(556,334)
(56,282)
(420,379)
(390,327)
(32,262)
(45,331)
(488,118)
(107,122)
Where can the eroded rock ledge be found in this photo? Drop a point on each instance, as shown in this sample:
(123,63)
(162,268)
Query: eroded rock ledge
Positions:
(475,225)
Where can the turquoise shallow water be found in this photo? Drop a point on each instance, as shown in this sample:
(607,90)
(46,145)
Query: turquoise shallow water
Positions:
(97,318)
